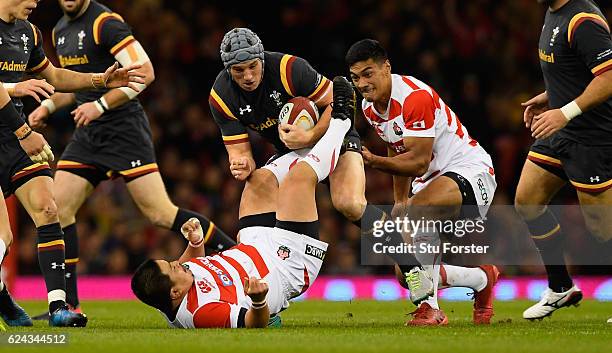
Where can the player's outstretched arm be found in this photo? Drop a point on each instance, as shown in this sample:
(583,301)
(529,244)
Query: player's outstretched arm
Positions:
(192,231)
(259,313)
(38,117)
(71,81)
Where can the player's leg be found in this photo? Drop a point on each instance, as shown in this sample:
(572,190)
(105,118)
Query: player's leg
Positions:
(537,186)
(150,195)
(597,212)
(36,196)
(10,311)
(258,201)
(71,191)
(440,200)
(318,164)
(347,187)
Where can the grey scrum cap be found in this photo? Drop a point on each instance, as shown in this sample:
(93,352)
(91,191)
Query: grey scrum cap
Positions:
(239,45)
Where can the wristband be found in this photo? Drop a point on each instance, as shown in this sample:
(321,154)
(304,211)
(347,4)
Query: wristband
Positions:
(198,243)
(97,81)
(571,110)
(259,305)
(50,105)
(101,105)
(23,132)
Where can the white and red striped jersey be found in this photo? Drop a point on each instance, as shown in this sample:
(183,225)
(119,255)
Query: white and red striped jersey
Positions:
(217,297)
(416,110)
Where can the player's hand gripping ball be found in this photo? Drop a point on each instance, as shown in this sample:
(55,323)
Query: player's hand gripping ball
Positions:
(296,120)
(299,111)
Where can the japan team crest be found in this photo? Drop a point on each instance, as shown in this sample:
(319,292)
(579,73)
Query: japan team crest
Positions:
(283,252)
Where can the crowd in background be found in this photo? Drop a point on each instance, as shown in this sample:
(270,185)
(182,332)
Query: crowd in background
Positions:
(480,56)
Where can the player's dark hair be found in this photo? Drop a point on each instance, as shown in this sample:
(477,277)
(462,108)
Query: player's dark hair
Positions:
(365,49)
(152,287)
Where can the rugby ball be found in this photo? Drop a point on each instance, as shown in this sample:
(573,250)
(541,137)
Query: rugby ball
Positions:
(299,111)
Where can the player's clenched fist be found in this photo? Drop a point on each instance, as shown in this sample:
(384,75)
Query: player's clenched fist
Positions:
(256,289)
(241,168)
(192,231)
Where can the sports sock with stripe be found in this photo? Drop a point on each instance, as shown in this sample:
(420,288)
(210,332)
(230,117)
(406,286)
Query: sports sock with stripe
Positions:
(72,258)
(51,261)
(548,238)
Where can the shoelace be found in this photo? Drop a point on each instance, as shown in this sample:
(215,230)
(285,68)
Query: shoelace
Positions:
(413,280)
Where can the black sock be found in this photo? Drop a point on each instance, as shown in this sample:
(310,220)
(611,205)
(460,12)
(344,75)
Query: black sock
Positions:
(406,261)
(72,258)
(214,237)
(258,220)
(548,238)
(310,229)
(51,260)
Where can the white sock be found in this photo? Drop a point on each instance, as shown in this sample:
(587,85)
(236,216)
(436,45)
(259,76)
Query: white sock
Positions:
(430,260)
(55,295)
(2,252)
(457,276)
(323,157)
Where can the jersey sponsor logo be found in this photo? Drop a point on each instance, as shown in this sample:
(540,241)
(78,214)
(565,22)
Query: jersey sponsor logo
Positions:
(223,277)
(25,40)
(270,122)
(81,36)
(595,179)
(483,191)
(204,285)
(549,58)
(12,66)
(555,32)
(73,60)
(136,163)
(315,252)
(283,252)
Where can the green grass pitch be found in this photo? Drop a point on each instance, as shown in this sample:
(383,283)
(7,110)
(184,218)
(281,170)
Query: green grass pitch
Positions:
(317,326)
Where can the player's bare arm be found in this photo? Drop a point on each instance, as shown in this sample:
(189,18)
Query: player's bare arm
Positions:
(414,162)
(38,117)
(71,81)
(401,190)
(241,160)
(551,121)
(134,54)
